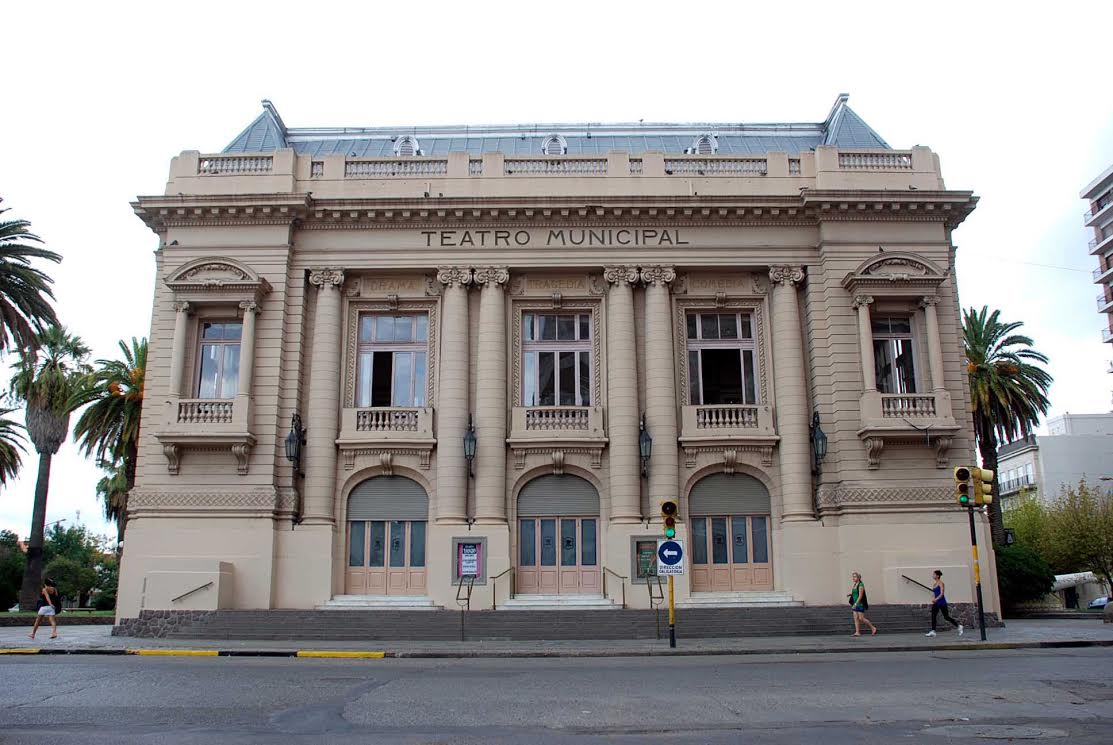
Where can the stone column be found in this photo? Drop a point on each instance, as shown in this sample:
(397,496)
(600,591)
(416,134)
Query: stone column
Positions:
(935,348)
(490,398)
(247,349)
(865,340)
(323,411)
(660,383)
(452,397)
(792,396)
(622,396)
(178,352)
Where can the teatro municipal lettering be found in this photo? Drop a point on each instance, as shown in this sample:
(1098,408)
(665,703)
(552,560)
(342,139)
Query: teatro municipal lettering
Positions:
(562,237)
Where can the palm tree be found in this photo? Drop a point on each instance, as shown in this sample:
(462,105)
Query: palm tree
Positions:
(1008,394)
(25,293)
(113,490)
(109,427)
(48,379)
(11,446)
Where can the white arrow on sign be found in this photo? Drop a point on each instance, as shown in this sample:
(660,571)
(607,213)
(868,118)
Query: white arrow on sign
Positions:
(669,552)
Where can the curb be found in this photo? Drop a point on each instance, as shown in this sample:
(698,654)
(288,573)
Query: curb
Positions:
(511,654)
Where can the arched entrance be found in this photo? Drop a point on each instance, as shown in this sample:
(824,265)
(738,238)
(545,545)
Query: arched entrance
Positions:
(558,537)
(386,537)
(729,524)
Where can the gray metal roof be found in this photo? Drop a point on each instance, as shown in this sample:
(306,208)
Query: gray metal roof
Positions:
(842,128)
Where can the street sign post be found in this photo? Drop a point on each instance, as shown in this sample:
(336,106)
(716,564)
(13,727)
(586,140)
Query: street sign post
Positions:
(670,557)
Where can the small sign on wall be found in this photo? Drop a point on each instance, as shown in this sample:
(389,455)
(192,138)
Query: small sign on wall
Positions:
(469,556)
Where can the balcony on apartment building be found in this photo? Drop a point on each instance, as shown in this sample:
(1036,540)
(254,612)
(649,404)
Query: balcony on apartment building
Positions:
(1012,486)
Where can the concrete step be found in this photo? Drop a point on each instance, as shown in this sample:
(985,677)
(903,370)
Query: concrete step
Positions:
(379,602)
(751,599)
(558,603)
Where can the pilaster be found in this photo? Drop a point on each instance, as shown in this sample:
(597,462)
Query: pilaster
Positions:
(490,404)
(324,398)
(622,395)
(452,398)
(660,383)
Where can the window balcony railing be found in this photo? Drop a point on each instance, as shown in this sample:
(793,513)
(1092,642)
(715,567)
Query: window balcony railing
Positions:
(1014,485)
(1103,302)
(726,417)
(900,405)
(204,411)
(387,420)
(1097,209)
(545,423)
(551,418)
(1107,335)
(386,423)
(726,421)
(1098,245)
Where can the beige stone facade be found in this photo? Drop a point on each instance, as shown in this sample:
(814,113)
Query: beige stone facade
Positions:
(553,305)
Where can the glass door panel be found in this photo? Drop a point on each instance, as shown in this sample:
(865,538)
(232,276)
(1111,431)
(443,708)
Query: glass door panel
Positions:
(699,540)
(568,543)
(719,540)
(548,543)
(417,544)
(378,544)
(527,543)
(739,552)
(397,544)
(357,544)
(587,543)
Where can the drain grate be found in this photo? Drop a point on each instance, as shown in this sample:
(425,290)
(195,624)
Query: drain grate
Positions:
(996,731)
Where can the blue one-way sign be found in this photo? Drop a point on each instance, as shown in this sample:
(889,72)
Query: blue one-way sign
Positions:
(670,557)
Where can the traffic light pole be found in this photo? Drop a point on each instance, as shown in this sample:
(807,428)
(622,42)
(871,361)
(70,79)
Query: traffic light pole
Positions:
(977,573)
(672,615)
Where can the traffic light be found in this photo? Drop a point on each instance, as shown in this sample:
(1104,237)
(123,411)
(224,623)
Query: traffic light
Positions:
(983,485)
(669,509)
(962,485)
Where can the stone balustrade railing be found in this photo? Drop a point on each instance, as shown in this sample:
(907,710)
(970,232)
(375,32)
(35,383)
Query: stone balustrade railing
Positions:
(555,166)
(475,167)
(236,164)
(557,418)
(881,160)
(387,420)
(705,166)
(204,411)
(726,417)
(902,405)
(404,168)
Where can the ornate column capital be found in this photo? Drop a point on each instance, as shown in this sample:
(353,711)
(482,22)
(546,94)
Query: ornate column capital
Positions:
(453,276)
(658,275)
(860,300)
(616,275)
(783,274)
(927,300)
(181,306)
(249,306)
(323,278)
(491,276)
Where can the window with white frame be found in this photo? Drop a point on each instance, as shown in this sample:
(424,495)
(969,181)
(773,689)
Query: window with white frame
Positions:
(554,145)
(406,147)
(219,368)
(556,359)
(721,358)
(893,354)
(391,360)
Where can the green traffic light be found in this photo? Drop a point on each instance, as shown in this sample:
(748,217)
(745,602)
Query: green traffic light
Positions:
(670,532)
(964,500)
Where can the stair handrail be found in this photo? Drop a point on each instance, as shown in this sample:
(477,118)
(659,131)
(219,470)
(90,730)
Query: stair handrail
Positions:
(921,584)
(655,598)
(190,592)
(618,576)
(464,602)
(495,589)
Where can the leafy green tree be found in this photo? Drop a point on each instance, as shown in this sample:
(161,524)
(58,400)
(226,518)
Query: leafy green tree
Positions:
(12,563)
(1022,574)
(1027,516)
(1080,532)
(25,294)
(75,543)
(108,579)
(11,446)
(48,379)
(109,426)
(1008,393)
(74,581)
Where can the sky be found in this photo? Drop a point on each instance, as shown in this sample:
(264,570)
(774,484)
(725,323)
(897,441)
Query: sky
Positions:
(99,96)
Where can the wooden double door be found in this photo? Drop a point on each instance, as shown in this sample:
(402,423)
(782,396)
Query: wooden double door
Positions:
(730,553)
(386,557)
(558,555)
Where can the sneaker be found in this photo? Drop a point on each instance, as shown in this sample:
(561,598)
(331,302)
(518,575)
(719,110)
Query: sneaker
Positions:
(960,629)
(930,633)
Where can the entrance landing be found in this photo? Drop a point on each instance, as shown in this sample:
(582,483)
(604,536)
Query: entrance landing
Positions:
(379,602)
(558,602)
(750,599)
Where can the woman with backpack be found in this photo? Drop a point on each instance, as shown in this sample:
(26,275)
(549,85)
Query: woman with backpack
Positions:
(49,605)
(939,604)
(860,604)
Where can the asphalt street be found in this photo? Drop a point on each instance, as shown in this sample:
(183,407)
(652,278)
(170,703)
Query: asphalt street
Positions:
(914,697)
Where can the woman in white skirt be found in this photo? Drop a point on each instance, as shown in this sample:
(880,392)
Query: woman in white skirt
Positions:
(49,604)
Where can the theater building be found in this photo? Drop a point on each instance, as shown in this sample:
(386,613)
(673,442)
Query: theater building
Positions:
(382,359)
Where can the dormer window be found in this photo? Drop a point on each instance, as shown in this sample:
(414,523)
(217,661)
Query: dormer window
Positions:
(554,145)
(704,145)
(406,147)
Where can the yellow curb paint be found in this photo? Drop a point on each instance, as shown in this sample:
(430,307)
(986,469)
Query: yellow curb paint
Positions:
(20,650)
(340,654)
(173,652)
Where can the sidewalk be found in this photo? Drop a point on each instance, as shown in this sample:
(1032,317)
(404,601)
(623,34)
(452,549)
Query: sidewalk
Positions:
(1026,634)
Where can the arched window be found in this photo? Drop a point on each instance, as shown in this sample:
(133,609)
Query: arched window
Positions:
(406,147)
(704,145)
(554,145)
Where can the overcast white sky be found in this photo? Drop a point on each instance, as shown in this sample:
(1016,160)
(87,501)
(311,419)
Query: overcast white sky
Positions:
(99,96)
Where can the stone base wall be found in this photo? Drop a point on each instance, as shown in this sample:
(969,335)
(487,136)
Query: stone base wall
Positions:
(153,624)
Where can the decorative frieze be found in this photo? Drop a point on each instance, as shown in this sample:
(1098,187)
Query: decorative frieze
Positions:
(144,500)
(839,498)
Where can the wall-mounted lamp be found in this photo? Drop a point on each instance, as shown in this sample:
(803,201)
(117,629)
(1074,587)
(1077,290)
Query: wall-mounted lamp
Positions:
(294,443)
(469,446)
(819,442)
(645,447)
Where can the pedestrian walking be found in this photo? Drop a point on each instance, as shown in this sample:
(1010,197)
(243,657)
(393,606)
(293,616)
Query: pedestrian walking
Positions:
(859,603)
(49,605)
(939,604)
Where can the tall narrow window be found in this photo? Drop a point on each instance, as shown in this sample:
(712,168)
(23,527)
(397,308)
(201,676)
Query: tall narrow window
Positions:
(391,361)
(893,355)
(556,359)
(220,359)
(721,350)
